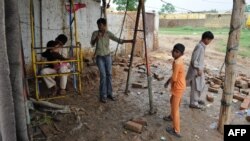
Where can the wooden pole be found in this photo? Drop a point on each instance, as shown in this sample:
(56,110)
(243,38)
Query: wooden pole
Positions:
(230,62)
(141,7)
(104,11)
(133,47)
(149,76)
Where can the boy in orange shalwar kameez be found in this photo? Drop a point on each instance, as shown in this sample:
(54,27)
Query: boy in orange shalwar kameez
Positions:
(178,86)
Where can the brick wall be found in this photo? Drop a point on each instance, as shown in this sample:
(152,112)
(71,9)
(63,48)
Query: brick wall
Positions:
(209,20)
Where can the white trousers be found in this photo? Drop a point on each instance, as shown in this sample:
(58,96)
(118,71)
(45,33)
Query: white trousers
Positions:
(50,81)
(195,95)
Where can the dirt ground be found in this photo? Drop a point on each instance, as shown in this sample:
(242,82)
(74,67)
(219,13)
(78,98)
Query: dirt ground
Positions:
(104,122)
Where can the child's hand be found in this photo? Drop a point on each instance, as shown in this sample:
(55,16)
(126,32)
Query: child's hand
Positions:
(72,58)
(166,85)
(199,73)
(97,37)
(100,34)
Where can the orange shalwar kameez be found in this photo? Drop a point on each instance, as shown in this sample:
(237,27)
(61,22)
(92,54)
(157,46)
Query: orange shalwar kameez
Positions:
(178,86)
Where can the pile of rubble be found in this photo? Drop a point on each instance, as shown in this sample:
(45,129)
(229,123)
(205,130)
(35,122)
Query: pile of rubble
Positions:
(241,89)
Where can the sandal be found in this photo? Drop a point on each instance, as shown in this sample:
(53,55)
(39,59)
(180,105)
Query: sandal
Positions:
(168,118)
(62,92)
(53,91)
(195,106)
(172,132)
(201,102)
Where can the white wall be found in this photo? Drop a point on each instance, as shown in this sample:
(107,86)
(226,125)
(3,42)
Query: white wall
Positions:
(55,20)
(115,26)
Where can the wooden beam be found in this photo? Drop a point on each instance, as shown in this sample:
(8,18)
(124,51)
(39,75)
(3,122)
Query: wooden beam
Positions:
(230,62)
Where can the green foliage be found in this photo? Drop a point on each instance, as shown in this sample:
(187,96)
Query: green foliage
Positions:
(121,5)
(212,11)
(167,8)
(247,8)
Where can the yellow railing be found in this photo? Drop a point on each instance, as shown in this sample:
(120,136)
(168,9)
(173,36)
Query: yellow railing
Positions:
(78,71)
(77,62)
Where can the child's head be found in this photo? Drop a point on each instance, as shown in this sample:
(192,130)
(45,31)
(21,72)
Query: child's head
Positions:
(102,24)
(178,50)
(62,38)
(57,46)
(207,37)
(50,43)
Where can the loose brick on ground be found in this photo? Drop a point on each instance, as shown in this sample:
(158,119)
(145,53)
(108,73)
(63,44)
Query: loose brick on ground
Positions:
(242,84)
(216,86)
(248,115)
(217,81)
(236,89)
(210,89)
(245,104)
(210,97)
(122,64)
(245,91)
(126,69)
(136,127)
(239,96)
(137,85)
(141,121)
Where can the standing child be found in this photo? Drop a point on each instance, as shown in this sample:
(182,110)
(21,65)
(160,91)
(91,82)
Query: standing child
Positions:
(178,86)
(100,38)
(195,75)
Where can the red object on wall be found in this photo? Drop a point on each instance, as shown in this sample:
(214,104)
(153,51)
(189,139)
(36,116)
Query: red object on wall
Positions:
(76,6)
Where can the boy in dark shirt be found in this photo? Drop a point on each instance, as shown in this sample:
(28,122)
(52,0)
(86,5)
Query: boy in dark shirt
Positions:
(52,54)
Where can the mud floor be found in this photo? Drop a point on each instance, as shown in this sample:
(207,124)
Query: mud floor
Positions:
(105,122)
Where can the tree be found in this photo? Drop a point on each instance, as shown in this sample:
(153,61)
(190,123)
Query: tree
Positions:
(167,8)
(121,5)
(247,9)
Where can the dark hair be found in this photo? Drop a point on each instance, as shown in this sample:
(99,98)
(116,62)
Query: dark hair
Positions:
(102,21)
(50,43)
(62,38)
(179,47)
(207,35)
